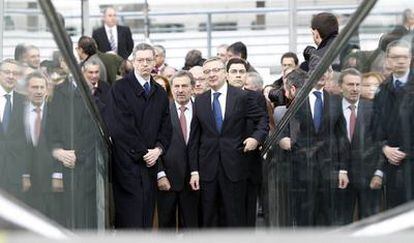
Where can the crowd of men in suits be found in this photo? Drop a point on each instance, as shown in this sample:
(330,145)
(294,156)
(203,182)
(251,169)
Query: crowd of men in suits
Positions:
(186,144)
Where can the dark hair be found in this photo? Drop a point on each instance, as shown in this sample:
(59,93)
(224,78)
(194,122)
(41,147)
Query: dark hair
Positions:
(235,61)
(87,44)
(325,23)
(19,52)
(348,71)
(307,53)
(290,55)
(183,73)
(193,58)
(238,48)
(296,78)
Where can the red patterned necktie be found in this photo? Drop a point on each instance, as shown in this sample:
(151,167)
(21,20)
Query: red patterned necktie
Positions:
(183,122)
(352,121)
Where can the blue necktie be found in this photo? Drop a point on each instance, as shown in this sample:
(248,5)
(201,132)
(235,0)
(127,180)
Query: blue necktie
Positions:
(147,88)
(7,112)
(318,111)
(398,85)
(217,111)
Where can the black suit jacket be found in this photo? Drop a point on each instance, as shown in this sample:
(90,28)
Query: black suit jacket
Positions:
(209,148)
(14,159)
(70,127)
(136,123)
(42,164)
(360,155)
(125,42)
(175,161)
(314,151)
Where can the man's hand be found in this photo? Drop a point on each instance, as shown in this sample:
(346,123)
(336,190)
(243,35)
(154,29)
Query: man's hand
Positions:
(343,180)
(393,154)
(195,182)
(26,183)
(164,184)
(376,182)
(285,143)
(67,157)
(250,144)
(151,156)
(57,185)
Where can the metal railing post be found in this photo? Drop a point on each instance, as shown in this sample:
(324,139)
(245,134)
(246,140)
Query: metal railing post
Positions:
(86,27)
(208,29)
(293,26)
(1,27)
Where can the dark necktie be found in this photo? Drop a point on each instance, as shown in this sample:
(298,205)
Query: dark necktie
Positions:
(147,88)
(352,122)
(183,122)
(318,110)
(218,117)
(112,40)
(37,124)
(7,112)
(398,85)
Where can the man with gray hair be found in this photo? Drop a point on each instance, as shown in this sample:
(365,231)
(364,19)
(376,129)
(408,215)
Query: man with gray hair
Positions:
(160,64)
(138,120)
(254,82)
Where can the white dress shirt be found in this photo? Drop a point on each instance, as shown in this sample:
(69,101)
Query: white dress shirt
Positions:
(312,99)
(402,79)
(222,98)
(114,33)
(3,101)
(347,113)
(141,80)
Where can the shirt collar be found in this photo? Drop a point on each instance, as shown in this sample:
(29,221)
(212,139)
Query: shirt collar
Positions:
(188,105)
(346,104)
(33,107)
(107,28)
(222,90)
(402,79)
(4,92)
(140,79)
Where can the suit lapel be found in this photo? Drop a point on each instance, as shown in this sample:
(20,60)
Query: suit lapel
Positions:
(136,86)
(230,106)
(206,104)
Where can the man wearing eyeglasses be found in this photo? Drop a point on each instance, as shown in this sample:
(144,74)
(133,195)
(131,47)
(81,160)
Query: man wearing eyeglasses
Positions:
(388,125)
(218,161)
(139,122)
(12,136)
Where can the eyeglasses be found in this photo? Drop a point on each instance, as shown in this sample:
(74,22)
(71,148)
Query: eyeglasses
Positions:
(395,57)
(142,60)
(214,70)
(235,71)
(8,72)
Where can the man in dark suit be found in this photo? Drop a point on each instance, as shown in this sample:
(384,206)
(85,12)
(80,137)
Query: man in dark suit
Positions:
(175,193)
(99,89)
(139,123)
(45,180)
(236,75)
(314,157)
(388,126)
(74,141)
(358,153)
(218,161)
(113,37)
(13,159)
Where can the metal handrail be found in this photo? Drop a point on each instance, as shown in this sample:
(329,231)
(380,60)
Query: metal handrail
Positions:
(333,51)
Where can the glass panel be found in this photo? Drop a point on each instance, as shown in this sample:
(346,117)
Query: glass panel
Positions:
(53,156)
(347,153)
